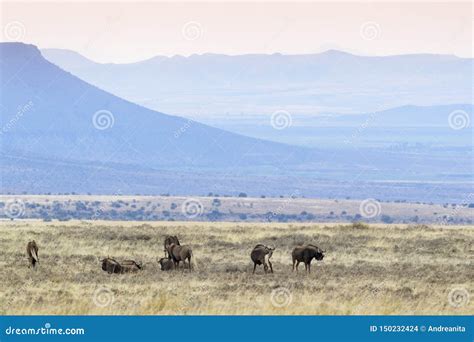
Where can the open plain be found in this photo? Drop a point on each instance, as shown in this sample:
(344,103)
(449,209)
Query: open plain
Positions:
(368,269)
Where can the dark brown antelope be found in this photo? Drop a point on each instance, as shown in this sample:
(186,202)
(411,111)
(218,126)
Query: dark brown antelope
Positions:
(305,254)
(180,253)
(260,255)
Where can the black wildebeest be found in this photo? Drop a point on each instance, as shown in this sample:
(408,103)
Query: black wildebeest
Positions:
(32,253)
(166,264)
(180,253)
(260,255)
(305,254)
(111,265)
(170,239)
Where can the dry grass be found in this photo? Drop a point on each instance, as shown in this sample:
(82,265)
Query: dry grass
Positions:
(368,270)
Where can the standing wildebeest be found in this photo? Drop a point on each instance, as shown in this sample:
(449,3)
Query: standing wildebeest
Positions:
(32,253)
(170,239)
(166,264)
(111,265)
(258,256)
(305,254)
(180,253)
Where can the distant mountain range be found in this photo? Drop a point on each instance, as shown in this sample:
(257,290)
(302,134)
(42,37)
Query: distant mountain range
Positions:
(218,86)
(58,133)
(51,113)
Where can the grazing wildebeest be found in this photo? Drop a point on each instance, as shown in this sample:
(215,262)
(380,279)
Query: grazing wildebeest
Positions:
(170,239)
(111,265)
(166,264)
(32,253)
(260,255)
(305,254)
(180,253)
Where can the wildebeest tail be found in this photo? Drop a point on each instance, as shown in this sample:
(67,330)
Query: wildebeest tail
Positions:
(34,255)
(193,262)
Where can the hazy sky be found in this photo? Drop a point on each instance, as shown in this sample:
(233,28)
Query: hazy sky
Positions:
(127,31)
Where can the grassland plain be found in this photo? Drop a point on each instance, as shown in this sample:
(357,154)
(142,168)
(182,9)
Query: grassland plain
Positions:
(376,269)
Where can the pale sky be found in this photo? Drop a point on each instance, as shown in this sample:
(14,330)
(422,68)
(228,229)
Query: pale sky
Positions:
(127,31)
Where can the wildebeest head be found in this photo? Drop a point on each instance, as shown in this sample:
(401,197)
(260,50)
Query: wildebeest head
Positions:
(318,253)
(169,240)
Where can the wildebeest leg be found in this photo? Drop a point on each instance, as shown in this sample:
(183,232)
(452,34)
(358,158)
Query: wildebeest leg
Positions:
(271,268)
(190,267)
(309,267)
(297,264)
(254,267)
(265,267)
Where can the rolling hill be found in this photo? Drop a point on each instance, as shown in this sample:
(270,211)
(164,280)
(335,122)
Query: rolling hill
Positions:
(50,113)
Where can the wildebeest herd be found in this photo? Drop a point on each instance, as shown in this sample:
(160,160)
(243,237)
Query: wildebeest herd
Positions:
(176,253)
